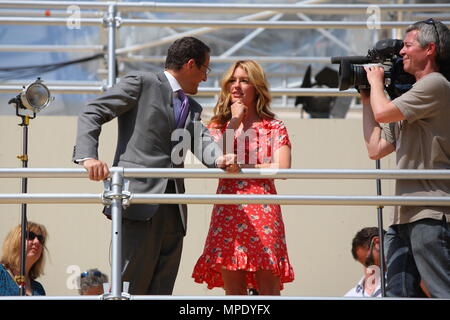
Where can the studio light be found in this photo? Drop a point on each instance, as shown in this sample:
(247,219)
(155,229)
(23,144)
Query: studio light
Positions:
(34,97)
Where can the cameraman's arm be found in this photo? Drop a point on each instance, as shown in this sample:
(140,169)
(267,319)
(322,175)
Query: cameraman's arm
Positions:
(384,110)
(377,147)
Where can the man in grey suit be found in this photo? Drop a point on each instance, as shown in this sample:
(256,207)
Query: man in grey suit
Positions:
(154,118)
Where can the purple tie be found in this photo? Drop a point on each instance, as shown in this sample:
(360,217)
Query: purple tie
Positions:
(183,110)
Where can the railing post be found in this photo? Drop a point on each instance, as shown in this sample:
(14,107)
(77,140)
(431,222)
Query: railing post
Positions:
(116,216)
(116,196)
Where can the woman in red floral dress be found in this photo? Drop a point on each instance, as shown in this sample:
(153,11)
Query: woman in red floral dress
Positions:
(246,244)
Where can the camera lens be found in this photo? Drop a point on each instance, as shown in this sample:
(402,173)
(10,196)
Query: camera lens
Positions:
(359,77)
(351,75)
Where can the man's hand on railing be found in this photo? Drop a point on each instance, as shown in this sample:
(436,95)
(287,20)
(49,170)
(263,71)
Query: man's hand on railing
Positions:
(97,169)
(228,162)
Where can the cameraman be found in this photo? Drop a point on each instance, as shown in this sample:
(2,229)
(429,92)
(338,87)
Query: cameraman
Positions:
(417,126)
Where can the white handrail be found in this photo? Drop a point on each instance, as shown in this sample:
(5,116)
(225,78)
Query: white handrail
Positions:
(141,198)
(218,173)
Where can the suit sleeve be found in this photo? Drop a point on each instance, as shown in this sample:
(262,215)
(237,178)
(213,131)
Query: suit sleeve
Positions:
(202,144)
(116,101)
(211,149)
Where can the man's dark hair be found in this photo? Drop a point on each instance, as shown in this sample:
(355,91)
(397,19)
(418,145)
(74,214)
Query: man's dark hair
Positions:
(363,238)
(184,49)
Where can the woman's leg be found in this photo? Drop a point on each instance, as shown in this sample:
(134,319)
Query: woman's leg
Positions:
(268,283)
(234,282)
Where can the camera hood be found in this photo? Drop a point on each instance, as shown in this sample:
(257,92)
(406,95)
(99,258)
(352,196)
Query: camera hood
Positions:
(344,75)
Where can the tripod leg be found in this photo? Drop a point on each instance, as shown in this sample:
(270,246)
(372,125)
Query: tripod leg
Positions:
(381,236)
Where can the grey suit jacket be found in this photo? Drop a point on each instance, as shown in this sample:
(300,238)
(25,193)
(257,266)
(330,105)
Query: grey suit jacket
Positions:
(143,104)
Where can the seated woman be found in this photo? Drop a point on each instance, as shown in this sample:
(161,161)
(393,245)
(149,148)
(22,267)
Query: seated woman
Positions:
(36,235)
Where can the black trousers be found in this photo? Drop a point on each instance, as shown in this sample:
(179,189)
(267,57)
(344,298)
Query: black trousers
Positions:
(151,252)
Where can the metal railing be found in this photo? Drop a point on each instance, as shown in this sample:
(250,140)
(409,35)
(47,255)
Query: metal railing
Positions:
(116,195)
(205,91)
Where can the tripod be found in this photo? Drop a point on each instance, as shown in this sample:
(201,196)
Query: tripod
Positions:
(381,235)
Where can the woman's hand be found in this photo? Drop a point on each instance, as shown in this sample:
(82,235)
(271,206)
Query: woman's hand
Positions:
(238,110)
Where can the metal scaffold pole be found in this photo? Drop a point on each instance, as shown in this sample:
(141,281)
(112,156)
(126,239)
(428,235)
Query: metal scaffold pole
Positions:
(111,24)
(116,209)
(116,196)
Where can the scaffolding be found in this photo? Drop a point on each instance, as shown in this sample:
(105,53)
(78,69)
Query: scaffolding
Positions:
(254,19)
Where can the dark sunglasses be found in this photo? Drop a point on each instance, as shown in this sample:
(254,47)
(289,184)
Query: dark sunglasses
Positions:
(432,22)
(31,236)
(94,273)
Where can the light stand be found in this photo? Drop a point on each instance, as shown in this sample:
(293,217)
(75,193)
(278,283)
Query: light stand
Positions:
(381,236)
(34,98)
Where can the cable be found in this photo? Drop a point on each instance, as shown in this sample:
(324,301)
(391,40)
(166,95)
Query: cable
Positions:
(30,71)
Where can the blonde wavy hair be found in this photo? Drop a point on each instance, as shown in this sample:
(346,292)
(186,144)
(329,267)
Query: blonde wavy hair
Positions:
(257,77)
(11,249)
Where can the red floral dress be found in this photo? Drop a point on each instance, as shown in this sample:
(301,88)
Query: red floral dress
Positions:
(247,237)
